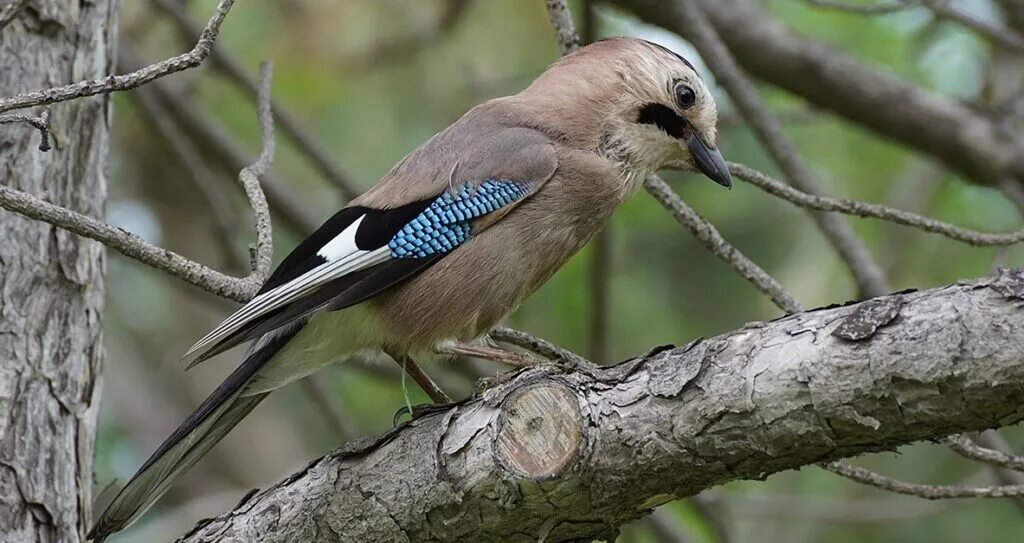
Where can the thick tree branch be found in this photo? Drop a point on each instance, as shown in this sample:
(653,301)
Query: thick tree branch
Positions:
(572,456)
(944,128)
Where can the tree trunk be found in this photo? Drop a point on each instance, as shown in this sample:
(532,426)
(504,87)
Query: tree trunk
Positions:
(51,281)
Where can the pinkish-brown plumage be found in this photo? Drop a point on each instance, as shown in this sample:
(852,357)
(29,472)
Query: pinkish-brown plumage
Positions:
(575,144)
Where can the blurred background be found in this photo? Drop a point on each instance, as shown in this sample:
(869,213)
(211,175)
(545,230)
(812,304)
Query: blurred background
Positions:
(369,81)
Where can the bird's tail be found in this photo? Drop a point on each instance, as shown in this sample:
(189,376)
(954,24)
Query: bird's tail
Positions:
(206,426)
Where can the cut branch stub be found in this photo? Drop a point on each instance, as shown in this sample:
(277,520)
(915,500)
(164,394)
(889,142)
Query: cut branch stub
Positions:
(540,432)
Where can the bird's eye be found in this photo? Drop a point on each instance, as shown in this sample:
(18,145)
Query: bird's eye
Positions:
(685,96)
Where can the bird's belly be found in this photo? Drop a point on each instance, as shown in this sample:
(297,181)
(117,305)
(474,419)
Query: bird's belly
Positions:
(473,288)
(329,337)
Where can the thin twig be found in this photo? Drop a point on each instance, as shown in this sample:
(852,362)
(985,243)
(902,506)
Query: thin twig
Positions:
(128,244)
(992,439)
(205,181)
(1003,37)
(40,123)
(426,384)
(249,177)
(223,59)
(866,9)
(864,209)
(236,288)
(963,446)
(222,147)
(868,275)
(708,236)
(565,29)
(537,345)
(929,492)
(115,83)
(389,49)
(11,10)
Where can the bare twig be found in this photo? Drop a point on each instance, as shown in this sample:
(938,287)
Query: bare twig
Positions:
(221,146)
(565,29)
(864,209)
(123,82)
(963,446)
(127,244)
(942,9)
(537,345)
(708,236)
(249,176)
(132,246)
(9,11)
(992,439)
(227,63)
(865,9)
(205,181)
(964,139)
(868,275)
(1000,36)
(40,123)
(402,47)
(929,492)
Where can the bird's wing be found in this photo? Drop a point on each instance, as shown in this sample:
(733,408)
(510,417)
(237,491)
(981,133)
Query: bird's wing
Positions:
(449,192)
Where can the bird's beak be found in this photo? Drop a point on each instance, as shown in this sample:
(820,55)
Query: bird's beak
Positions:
(709,161)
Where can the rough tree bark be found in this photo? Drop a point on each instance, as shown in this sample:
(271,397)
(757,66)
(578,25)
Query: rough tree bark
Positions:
(554,456)
(51,281)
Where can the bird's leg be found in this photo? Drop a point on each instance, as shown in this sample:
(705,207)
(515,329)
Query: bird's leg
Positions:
(494,354)
(412,369)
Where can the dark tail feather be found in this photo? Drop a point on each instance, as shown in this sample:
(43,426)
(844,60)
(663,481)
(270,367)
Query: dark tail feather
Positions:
(206,426)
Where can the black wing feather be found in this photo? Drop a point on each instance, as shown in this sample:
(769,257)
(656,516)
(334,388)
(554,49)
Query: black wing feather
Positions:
(375,231)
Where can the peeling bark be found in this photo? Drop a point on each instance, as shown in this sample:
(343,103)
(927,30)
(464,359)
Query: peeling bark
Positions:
(769,397)
(51,281)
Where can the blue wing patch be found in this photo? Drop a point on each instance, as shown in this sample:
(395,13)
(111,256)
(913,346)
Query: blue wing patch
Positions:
(445,223)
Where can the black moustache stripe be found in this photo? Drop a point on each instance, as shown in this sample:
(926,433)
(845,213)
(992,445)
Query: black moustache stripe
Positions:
(664,118)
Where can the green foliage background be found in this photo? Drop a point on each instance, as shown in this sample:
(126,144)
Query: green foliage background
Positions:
(370,110)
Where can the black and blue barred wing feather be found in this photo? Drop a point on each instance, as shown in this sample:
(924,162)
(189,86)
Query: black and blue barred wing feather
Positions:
(392,245)
(414,237)
(417,214)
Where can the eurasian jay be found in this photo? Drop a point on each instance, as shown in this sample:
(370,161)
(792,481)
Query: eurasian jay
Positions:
(454,237)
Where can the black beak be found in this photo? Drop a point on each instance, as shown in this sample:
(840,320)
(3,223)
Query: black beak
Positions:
(709,161)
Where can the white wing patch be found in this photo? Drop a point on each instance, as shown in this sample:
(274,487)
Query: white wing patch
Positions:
(343,257)
(343,244)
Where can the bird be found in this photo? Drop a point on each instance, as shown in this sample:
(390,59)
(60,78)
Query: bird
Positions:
(454,237)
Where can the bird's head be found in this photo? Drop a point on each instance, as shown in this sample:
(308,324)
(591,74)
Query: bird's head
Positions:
(642,105)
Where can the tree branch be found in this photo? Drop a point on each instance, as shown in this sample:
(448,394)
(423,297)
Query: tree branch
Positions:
(40,123)
(114,83)
(236,288)
(865,209)
(573,456)
(9,11)
(226,62)
(694,26)
(712,240)
(944,128)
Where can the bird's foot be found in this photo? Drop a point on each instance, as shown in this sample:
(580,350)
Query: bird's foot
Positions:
(494,354)
(421,410)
